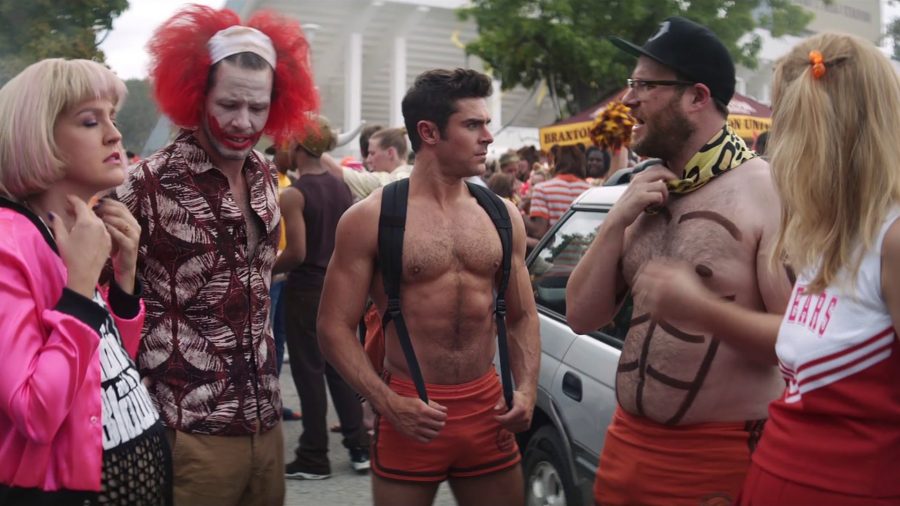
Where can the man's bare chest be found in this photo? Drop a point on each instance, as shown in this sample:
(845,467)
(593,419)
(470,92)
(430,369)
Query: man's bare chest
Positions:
(711,236)
(240,193)
(434,246)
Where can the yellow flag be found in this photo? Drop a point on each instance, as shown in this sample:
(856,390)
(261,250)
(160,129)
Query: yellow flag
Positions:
(454,38)
(542,94)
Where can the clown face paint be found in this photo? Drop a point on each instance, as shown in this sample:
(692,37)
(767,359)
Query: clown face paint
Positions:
(235,111)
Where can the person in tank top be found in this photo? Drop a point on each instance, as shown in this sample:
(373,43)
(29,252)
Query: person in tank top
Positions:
(311,208)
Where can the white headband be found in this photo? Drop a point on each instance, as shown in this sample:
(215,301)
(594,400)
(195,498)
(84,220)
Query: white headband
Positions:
(241,39)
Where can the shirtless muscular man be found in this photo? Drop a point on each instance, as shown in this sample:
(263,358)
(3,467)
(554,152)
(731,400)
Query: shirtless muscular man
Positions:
(451,259)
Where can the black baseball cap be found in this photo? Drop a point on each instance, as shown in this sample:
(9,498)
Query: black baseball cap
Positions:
(690,49)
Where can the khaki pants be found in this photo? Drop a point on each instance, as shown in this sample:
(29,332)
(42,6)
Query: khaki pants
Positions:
(228,470)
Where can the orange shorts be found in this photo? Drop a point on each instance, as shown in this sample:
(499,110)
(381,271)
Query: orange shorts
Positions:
(647,463)
(472,443)
(374,342)
(763,488)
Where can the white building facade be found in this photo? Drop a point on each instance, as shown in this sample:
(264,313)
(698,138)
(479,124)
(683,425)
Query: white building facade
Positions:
(366,54)
(862,18)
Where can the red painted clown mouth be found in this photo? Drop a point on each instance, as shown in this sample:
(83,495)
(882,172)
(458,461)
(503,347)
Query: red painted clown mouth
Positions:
(238,143)
(232,141)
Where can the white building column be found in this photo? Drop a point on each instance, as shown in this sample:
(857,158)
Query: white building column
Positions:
(398,81)
(496,105)
(353,84)
(740,85)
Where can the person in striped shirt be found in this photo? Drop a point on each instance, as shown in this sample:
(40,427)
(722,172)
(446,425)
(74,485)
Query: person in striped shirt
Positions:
(551,199)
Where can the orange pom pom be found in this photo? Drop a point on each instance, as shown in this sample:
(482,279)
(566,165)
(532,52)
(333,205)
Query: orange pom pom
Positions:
(611,130)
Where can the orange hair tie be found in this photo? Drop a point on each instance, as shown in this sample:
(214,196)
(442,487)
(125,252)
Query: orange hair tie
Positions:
(818,64)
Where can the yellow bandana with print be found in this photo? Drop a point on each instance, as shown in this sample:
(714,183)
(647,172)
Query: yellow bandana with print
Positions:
(722,153)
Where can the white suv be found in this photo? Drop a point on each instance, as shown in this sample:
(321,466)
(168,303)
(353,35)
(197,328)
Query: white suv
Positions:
(576,387)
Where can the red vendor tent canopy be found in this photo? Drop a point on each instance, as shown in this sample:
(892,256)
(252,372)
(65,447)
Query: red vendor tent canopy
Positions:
(746,116)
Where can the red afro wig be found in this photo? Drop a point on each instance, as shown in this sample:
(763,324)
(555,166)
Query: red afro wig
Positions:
(180,65)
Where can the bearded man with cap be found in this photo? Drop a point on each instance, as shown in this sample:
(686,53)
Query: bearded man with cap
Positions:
(691,405)
(208,209)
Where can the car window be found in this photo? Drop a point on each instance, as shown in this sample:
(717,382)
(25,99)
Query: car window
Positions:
(552,265)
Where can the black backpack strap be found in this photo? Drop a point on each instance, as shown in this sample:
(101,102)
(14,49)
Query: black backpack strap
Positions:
(19,208)
(496,209)
(391,226)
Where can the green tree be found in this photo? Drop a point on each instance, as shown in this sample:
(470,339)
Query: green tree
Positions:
(564,42)
(138,116)
(31,30)
(892,35)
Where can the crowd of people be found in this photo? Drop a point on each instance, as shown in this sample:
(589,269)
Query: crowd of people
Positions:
(147,307)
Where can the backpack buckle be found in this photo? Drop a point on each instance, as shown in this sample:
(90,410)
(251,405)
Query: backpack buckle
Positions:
(393,306)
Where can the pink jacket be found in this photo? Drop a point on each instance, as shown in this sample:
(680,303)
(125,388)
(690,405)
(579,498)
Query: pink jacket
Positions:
(51,423)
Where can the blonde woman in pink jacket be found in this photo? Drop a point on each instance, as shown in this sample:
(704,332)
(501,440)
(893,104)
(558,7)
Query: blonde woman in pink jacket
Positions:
(77,425)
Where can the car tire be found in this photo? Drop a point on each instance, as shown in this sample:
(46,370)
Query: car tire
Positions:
(548,479)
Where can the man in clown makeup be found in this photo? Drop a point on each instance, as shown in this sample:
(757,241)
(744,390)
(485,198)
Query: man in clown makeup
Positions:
(208,208)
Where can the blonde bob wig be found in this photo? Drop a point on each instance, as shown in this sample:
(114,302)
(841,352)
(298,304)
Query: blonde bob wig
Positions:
(835,154)
(30,104)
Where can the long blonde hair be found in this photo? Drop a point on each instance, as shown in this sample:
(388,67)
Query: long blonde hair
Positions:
(835,153)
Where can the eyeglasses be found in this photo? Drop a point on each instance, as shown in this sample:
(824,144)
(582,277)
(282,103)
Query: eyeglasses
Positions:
(640,85)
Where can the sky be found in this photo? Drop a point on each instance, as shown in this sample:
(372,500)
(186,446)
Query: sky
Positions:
(124,45)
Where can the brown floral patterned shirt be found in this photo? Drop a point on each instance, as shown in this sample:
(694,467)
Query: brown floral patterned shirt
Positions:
(207,344)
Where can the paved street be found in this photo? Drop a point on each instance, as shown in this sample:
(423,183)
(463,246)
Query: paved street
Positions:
(345,487)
